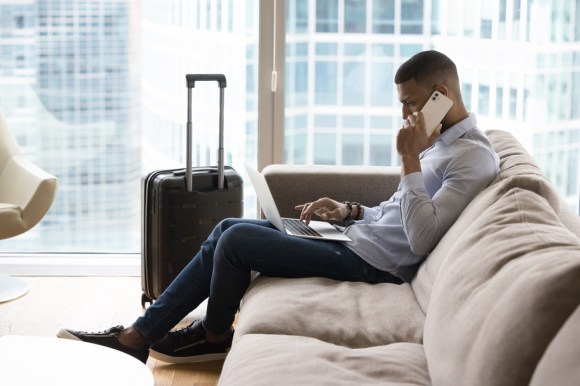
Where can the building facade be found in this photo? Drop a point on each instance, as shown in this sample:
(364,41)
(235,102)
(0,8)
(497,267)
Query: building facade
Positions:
(519,62)
(95,91)
(72,103)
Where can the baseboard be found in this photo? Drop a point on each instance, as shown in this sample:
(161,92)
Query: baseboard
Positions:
(70,264)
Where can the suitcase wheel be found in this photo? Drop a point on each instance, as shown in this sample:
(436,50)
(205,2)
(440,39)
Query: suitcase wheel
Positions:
(145,299)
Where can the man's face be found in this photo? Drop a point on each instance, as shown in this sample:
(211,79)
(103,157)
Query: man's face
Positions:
(412,96)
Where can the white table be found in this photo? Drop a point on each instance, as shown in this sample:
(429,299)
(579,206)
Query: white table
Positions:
(11,288)
(35,360)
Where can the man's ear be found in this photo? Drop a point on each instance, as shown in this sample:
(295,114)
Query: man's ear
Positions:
(441,88)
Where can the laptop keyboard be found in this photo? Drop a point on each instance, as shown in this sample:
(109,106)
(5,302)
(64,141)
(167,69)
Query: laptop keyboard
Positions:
(299,228)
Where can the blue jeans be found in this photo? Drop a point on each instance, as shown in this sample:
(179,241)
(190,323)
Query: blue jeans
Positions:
(221,272)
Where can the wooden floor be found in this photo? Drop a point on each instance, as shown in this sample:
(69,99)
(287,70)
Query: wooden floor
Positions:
(94,304)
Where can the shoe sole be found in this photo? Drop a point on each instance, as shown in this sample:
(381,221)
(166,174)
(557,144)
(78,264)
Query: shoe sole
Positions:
(64,334)
(191,359)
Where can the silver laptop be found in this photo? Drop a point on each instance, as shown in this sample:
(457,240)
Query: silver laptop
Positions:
(290,226)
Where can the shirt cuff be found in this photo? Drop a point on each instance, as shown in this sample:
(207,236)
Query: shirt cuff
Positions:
(368,214)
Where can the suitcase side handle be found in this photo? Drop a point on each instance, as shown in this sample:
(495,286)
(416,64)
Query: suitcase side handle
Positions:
(190,82)
(192,78)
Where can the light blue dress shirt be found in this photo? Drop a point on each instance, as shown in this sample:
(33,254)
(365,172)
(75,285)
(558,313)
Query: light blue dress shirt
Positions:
(397,235)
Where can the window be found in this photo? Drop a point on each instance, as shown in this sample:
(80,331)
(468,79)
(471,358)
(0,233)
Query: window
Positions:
(99,119)
(525,82)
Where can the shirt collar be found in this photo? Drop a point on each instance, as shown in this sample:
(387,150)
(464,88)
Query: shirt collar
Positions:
(458,129)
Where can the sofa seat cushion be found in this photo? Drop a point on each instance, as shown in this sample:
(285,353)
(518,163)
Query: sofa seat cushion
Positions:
(10,212)
(293,360)
(350,314)
(504,291)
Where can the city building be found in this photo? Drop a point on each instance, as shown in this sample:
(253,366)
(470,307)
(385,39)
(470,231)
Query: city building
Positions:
(95,91)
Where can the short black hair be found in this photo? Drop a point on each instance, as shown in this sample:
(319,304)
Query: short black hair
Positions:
(427,68)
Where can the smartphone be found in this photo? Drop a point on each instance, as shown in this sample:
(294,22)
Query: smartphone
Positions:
(435,110)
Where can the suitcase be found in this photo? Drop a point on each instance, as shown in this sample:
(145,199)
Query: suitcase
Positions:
(182,206)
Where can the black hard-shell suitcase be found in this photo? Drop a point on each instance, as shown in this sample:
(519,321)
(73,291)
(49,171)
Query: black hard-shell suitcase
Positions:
(182,206)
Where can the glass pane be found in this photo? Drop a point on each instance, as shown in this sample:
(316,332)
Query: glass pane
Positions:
(411,16)
(382,87)
(326,49)
(94,93)
(326,83)
(383,16)
(326,15)
(354,84)
(297,14)
(499,102)
(352,149)
(325,145)
(355,18)
(380,151)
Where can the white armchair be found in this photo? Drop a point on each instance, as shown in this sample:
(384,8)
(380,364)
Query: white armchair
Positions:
(26,194)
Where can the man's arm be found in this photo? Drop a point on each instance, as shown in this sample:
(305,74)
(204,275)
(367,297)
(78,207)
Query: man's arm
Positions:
(426,220)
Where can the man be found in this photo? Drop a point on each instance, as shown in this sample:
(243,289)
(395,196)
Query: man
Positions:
(440,175)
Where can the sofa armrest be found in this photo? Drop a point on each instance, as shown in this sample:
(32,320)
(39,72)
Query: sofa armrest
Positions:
(296,184)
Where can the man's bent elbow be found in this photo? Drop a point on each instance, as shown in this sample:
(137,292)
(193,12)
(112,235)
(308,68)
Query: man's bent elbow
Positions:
(421,246)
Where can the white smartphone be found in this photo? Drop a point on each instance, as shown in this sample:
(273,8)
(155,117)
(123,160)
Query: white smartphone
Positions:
(435,110)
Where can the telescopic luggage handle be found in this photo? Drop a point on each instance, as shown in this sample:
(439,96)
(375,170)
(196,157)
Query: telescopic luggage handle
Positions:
(190,83)
(192,78)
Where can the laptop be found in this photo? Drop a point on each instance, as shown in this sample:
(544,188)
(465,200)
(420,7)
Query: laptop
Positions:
(320,230)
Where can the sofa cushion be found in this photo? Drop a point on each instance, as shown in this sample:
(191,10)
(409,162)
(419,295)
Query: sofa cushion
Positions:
(424,280)
(559,365)
(517,170)
(508,285)
(350,314)
(293,360)
(296,184)
(514,159)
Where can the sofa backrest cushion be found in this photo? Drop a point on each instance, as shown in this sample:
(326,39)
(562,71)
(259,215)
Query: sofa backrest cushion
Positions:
(559,365)
(517,170)
(503,292)
(292,185)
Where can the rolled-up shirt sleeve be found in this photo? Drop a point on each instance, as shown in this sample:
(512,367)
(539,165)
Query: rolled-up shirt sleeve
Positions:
(425,219)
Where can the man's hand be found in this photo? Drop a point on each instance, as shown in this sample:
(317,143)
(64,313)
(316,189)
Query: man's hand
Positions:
(325,208)
(412,139)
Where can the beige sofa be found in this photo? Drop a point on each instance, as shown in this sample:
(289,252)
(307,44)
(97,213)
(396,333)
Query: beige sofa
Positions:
(496,302)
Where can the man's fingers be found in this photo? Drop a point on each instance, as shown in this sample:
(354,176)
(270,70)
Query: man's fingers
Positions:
(323,207)
(306,213)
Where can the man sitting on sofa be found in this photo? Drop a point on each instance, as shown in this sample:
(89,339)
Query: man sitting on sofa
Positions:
(440,175)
